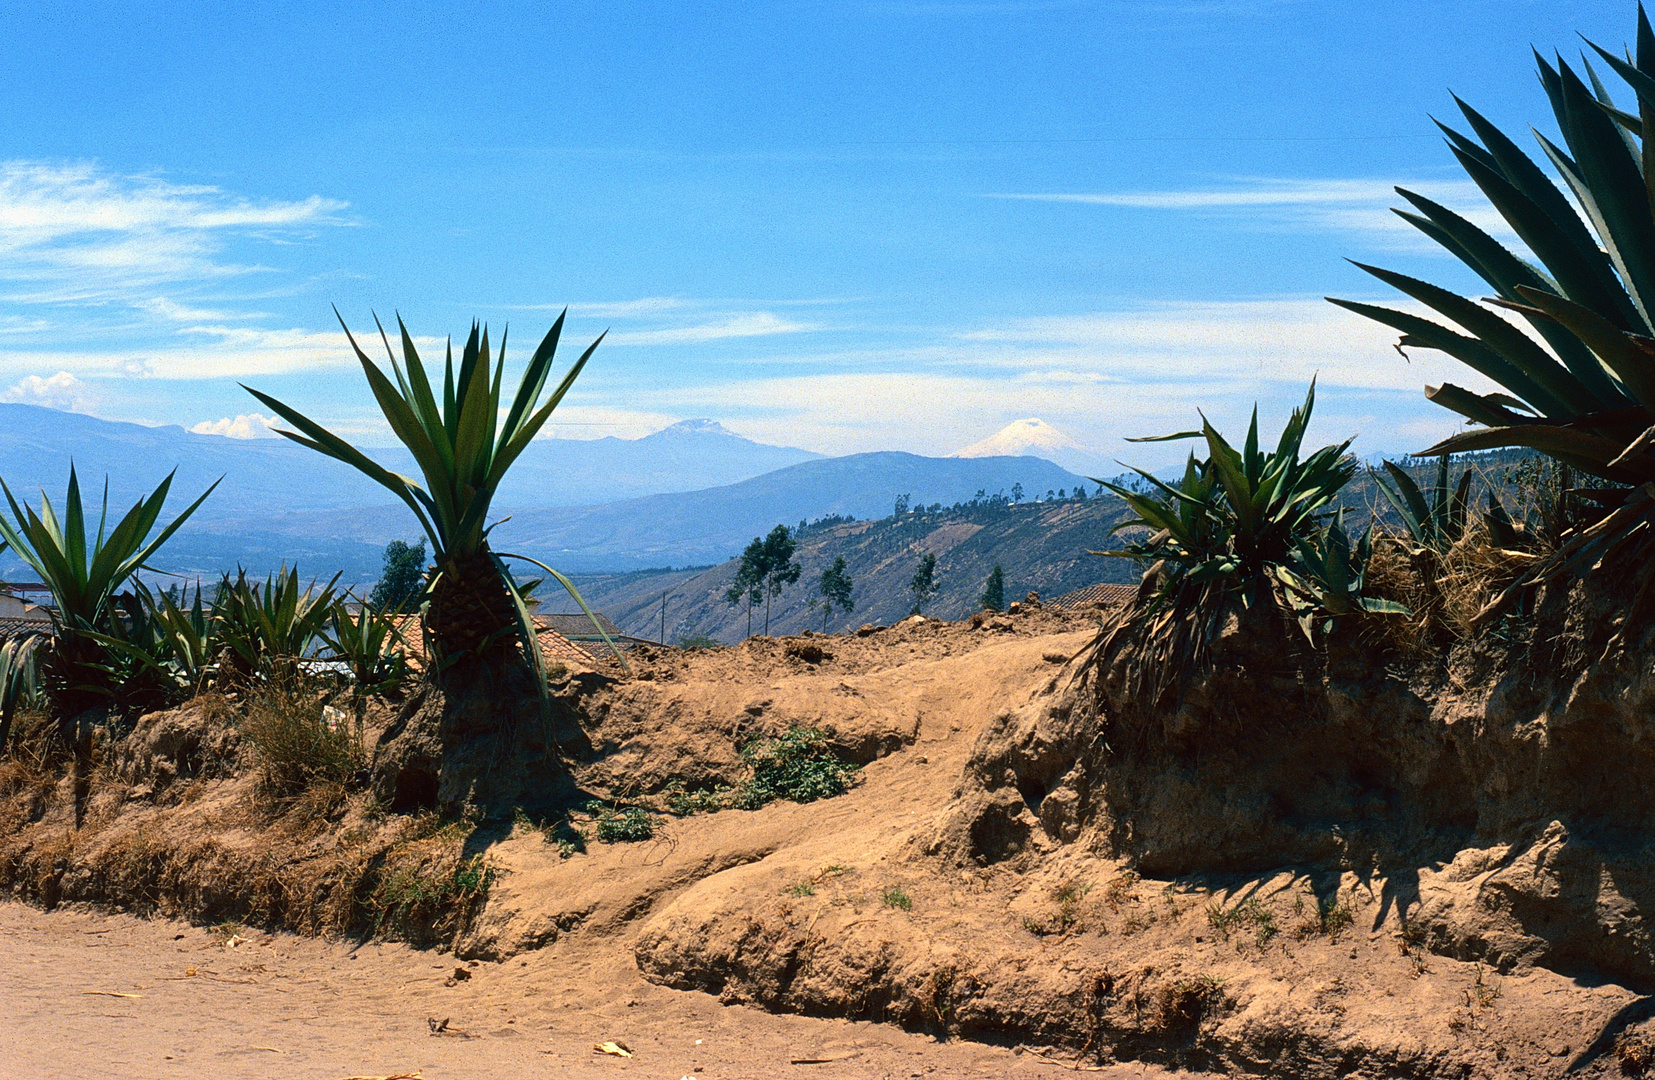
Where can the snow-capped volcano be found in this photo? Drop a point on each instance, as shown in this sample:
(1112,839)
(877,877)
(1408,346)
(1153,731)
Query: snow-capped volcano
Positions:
(1032,437)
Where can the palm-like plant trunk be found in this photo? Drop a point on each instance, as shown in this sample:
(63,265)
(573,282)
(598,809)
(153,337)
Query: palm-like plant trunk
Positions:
(471,612)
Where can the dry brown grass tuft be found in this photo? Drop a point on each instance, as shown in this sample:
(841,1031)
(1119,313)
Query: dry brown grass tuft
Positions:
(304,760)
(1445,592)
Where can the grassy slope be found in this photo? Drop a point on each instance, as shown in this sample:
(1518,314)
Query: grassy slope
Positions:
(1041,546)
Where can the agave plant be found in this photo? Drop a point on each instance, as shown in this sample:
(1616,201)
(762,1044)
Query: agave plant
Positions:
(1581,388)
(1327,578)
(367,641)
(84,577)
(1224,541)
(181,642)
(463,449)
(19,678)
(265,628)
(1435,523)
(155,652)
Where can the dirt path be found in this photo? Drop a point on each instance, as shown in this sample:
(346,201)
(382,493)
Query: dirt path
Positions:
(87,995)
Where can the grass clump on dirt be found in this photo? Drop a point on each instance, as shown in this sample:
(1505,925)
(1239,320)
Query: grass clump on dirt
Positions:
(1250,914)
(427,880)
(621,825)
(799,765)
(299,749)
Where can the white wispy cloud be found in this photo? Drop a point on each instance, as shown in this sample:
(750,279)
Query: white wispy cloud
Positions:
(643,306)
(751,324)
(572,421)
(1344,205)
(1100,376)
(214,352)
(80,234)
(169,309)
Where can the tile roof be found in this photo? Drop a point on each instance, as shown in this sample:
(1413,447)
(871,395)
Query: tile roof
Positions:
(11,627)
(554,647)
(1107,594)
(577,625)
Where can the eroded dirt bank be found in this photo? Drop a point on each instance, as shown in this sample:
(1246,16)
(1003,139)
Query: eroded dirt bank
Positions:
(989,877)
(275,1005)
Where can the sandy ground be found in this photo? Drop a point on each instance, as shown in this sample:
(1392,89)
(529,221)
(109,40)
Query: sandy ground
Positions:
(90,995)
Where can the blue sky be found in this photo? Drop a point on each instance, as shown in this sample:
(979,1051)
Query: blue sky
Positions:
(845,225)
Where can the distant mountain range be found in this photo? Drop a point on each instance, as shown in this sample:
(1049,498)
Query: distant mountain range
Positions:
(36,446)
(676,529)
(692,493)
(711,525)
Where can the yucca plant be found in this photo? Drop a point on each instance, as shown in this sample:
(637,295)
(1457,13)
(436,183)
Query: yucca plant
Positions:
(463,449)
(1222,541)
(84,576)
(1581,388)
(262,630)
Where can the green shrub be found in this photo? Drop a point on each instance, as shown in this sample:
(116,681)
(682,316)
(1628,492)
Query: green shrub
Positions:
(799,765)
(414,887)
(617,825)
(684,802)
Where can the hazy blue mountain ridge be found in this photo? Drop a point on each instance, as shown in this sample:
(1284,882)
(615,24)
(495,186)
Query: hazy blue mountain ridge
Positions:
(693,493)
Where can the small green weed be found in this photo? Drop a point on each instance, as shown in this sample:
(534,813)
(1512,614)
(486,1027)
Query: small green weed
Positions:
(616,825)
(804,888)
(897,898)
(1482,994)
(1333,916)
(1067,916)
(799,765)
(1248,914)
(1120,890)
(684,802)
(559,833)
(1068,905)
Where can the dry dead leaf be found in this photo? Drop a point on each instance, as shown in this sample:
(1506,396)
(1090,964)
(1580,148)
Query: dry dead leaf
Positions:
(440,1027)
(614,1049)
(108,993)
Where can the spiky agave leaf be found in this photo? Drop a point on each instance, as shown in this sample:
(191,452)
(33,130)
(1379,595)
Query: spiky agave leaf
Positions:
(1584,391)
(84,575)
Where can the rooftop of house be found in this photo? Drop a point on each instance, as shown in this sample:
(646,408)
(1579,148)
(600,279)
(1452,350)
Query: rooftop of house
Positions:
(1106,595)
(554,647)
